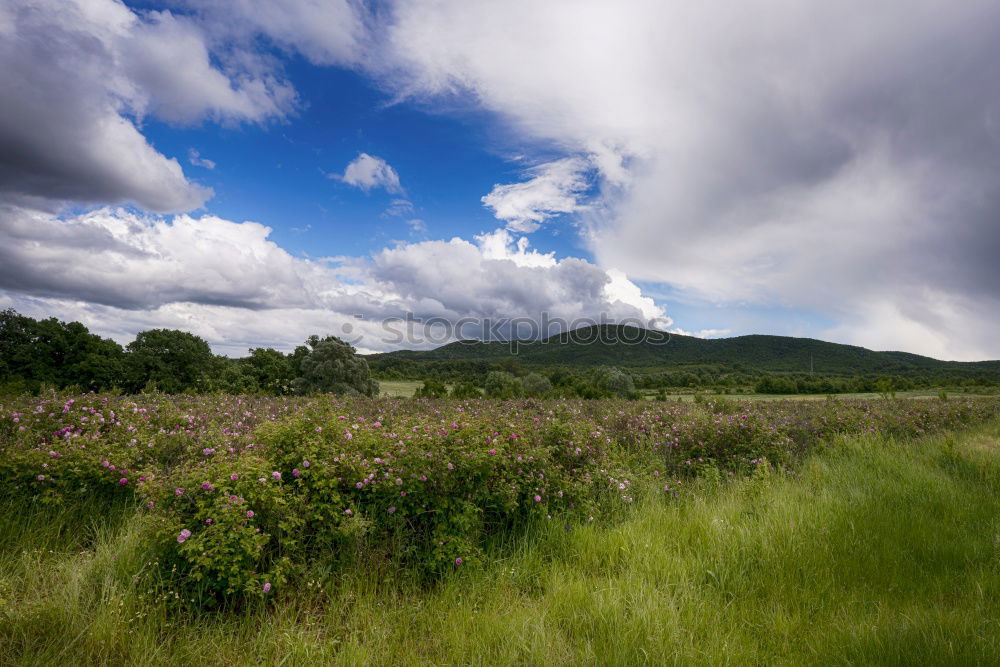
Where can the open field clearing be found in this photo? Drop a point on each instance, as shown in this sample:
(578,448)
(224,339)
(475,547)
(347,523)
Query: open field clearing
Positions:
(398,388)
(406,389)
(843,532)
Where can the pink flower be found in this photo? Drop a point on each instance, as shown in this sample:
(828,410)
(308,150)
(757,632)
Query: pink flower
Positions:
(123,481)
(348,435)
(296,473)
(276,475)
(41,478)
(306,464)
(267,588)
(208,521)
(207,486)
(249,514)
(184,535)
(234,477)
(458,561)
(493,452)
(178,492)
(392,510)
(538,499)
(348,512)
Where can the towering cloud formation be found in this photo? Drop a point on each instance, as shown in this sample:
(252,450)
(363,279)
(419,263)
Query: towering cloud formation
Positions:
(839,157)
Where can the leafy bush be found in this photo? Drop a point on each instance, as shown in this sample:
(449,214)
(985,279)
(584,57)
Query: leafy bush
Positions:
(536,385)
(317,484)
(614,381)
(501,384)
(431,389)
(465,390)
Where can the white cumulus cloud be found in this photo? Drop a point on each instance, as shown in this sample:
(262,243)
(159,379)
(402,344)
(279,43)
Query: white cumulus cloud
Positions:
(551,189)
(370,172)
(121,272)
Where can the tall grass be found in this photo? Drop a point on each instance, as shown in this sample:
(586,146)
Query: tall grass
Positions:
(873,552)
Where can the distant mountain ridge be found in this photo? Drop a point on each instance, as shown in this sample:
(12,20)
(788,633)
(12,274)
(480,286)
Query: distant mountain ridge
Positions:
(622,345)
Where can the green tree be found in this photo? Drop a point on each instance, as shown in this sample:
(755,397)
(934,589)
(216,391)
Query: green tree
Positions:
(465,390)
(536,385)
(174,360)
(614,381)
(500,384)
(272,369)
(57,353)
(231,376)
(432,389)
(332,366)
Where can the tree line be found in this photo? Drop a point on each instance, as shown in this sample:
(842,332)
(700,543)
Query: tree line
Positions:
(49,352)
(39,353)
(735,378)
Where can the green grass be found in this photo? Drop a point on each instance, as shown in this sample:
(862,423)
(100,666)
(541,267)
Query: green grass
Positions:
(406,389)
(399,388)
(873,552)
(402,388)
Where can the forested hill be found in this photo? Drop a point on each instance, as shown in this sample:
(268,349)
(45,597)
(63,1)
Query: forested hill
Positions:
(640,348)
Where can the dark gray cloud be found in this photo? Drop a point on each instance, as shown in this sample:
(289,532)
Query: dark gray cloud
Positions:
(77,76)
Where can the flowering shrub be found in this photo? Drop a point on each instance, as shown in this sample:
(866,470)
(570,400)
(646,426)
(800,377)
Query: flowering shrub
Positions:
(319,482)
(247,493)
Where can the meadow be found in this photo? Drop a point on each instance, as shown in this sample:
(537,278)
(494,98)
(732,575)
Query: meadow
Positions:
(399,388)
(160,529)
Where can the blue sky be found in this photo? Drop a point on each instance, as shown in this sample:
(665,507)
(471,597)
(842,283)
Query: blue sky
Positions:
(256,172)
(279,173)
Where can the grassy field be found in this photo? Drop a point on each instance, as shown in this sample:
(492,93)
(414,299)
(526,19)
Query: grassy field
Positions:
(406,388)
(873,552)
(400,388)
(864,396)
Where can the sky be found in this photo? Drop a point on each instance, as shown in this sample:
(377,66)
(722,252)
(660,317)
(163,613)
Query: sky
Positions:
(405,173)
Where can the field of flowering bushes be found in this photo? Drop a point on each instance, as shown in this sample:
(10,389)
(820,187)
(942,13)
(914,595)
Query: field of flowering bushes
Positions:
(247,494)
